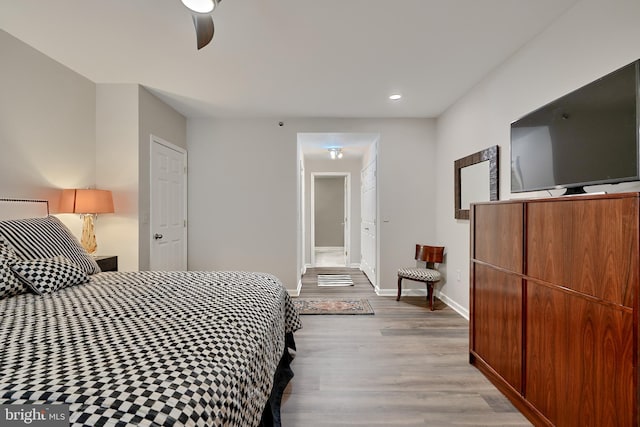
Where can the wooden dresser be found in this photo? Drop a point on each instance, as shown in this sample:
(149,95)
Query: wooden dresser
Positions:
(554,306)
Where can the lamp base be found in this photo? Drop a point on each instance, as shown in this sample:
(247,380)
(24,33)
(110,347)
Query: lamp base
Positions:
(88,234)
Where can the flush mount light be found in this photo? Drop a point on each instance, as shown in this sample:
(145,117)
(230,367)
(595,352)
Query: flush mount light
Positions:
(200,6)
(395,96)
(335,153)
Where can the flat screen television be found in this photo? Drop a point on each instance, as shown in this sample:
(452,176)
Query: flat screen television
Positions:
(587,137)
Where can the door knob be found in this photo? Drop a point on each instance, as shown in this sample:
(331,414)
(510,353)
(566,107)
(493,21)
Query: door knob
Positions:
(157,236)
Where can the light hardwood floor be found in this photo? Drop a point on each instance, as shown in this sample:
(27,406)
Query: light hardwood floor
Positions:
(403,366)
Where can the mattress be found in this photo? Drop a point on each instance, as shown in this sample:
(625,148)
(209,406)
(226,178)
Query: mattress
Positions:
(149,348)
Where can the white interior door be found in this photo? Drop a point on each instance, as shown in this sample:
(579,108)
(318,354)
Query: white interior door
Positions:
(368,231)
(168,217)
(345,224)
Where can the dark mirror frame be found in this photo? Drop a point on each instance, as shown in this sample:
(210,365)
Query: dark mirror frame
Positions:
(490,154)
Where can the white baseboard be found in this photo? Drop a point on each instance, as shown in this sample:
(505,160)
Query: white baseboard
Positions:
(352,265)
(454,305)
(405,292)
(296,292)
(423,293)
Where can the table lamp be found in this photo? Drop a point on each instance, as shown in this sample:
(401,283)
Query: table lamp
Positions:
(88,203)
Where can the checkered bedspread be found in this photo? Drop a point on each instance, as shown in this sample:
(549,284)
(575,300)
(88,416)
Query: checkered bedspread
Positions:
(148,348)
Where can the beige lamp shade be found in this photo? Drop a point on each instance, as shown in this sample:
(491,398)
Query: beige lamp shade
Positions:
(89,201)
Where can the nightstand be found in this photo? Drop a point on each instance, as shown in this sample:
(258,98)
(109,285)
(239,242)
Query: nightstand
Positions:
(107,263)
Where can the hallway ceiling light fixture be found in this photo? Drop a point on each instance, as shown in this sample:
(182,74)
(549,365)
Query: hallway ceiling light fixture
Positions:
(395,97)
(335,153)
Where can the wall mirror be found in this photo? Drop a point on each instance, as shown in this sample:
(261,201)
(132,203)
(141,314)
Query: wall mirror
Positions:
(475,180)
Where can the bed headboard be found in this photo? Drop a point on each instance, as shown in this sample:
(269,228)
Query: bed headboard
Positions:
(22,208)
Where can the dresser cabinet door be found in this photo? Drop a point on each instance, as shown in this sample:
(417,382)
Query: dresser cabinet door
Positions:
(582,265)
(497,322)
(498,236)
(496,293)
(588,246)
(579,359)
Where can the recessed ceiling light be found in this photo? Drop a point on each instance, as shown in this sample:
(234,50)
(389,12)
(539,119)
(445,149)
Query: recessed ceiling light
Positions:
(395,97)
(200,6)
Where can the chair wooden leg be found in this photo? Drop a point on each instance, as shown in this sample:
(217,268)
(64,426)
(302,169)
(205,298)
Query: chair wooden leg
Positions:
(399,288)
(430,294)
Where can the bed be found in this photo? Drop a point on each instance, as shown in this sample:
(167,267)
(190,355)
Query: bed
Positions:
(138,348)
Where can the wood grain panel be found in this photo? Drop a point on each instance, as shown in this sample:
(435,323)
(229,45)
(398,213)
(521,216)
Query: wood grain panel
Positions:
(497,322)
(499,238)
(579,359)
(589,246)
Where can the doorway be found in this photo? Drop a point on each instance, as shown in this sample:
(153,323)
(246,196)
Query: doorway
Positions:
(330,219)
(359,150)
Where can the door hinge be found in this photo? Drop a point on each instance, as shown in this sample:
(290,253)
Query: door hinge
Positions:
(185,223)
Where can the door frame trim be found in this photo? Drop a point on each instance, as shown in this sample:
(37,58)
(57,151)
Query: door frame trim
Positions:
(376,257)
(347,208)
(157,140)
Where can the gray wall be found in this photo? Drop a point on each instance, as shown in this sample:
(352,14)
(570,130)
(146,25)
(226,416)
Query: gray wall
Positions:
(158,119)
(329,211)
(243,198)
(127,116)
(117,170)
(47,126)
(590,40)
(60,130)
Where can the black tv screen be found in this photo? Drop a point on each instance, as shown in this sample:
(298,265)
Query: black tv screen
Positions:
(587,137)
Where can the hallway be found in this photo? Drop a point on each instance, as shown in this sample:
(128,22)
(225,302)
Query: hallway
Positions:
(329,256)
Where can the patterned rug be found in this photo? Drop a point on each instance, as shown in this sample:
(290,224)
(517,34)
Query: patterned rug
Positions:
(334,280)
(333,306)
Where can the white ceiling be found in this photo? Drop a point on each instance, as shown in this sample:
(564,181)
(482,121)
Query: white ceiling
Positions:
(287,58)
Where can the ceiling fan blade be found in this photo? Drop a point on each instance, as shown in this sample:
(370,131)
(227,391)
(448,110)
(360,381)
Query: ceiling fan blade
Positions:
(204,29)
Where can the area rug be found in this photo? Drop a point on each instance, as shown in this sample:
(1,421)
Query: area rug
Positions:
(333,306)
(334,280)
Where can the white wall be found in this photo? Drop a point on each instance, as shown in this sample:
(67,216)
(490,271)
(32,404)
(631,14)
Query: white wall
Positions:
(243,196)
(590,40)
(47,127)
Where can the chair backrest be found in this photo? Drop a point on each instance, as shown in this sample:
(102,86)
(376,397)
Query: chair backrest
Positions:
(429,254)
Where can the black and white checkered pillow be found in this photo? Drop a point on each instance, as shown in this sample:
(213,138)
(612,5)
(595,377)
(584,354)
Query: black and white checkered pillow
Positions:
(9,283)
(7,253)
(50,274)
(36,238)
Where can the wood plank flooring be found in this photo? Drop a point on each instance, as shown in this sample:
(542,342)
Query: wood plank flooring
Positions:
(403,366)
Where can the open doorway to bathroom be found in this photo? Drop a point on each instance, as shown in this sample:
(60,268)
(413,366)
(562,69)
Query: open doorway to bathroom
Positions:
(355,168)
(330,219)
